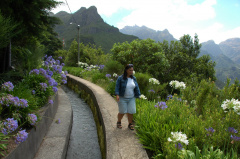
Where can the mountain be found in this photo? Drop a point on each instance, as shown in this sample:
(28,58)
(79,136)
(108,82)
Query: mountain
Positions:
(231,48)
(145,33)
(225,66)
(92,29)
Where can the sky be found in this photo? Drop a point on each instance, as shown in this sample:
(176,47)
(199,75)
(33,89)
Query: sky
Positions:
(216,20)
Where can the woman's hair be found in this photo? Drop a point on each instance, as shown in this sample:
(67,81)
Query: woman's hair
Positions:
(125,71)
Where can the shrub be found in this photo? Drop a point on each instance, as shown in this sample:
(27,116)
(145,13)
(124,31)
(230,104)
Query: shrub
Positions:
(112,67)
(111,88)
(98,76)
(143,82)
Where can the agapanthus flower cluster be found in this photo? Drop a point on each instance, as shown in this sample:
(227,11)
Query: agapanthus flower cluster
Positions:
(43,86)
(32,119)
(169,97)
(115,75)
(14,101)
(235,138)
(210,131)
(151,91)
(154,81)
(9,126)
(179,146)
(177,85)
(50,101)
(161,105)
(34,71)
(101,67)
(21,136)
(178,137)
(142,97)
(108,75)
(7,86)
(82,64)
(232,104)
(232,130)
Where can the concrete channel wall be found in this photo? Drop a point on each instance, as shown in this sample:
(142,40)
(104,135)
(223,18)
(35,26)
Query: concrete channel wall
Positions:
(114,143)
(29,148)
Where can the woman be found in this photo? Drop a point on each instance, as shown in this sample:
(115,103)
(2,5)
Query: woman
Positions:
(126,91)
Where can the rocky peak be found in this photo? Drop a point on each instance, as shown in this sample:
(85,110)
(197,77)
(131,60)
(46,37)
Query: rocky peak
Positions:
(86,16)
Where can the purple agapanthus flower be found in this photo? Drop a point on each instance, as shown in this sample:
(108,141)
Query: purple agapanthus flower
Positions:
(32,119)
(23,103)
(8,86)
(51,82)
(60,57)
(161,105)
(50,101)
(108,75)
(151,90)
(43,86)
(21,136)
(55,89)
(34,71)
(235,138)
(232,130)
(169,97)
(33,92)
(57,62)
(50,73)
(42,71)
(101,67)
(62,64)
(179,146)
(210,130)
(10,125)
(64,81)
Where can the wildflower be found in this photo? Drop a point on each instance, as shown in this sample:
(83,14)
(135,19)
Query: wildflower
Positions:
(154,81)
(50,101)
(7,86)
(60,57)
(55,89)
(179,146)
(10,125)
(32,118)
(232,130)
(108,75)
(46,63)
(51,82)
(178,137)
(169,97)
(210,130)
(177,85)
(142,96)
(161,105)
(21,136)
(43,86)
(50,73)
(115,75)
(151,90)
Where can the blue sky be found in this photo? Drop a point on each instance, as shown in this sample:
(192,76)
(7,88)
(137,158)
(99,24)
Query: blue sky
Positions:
(216,20)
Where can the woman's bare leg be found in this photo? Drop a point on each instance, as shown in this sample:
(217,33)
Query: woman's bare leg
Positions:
(120,116)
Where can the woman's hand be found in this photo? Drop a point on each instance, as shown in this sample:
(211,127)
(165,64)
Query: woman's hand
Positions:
(117,97)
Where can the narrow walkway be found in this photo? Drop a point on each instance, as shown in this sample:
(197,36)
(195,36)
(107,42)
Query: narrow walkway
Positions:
(83,142)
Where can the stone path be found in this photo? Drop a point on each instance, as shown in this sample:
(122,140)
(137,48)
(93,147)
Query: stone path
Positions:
(83,142)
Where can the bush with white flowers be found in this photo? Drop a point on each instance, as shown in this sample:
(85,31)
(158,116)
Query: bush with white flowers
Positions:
(142,96)
(177,85)
(232,104)
(178,137)
(153,81)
